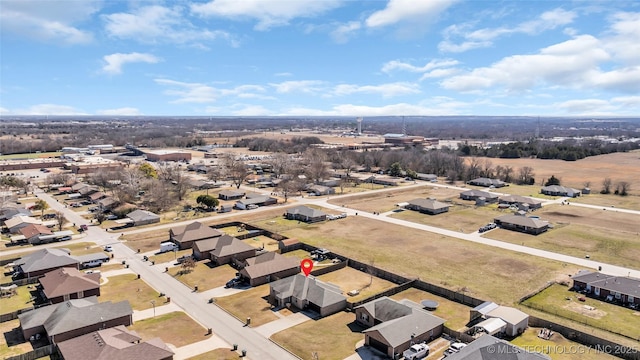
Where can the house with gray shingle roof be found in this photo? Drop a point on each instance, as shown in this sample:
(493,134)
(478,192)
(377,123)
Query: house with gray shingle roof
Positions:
(393,326)
(522,202)
(228,249)
(478,194)
(73,318)
(307,292)
(521,223)
(185,236)
(620,289)
(45,260)
(489,347)
(255,199)
(486,182)
(143,217)
(114,343)
(231,195)
(268,267)
(428,206)
(68,283)
(557,190)
(306,214)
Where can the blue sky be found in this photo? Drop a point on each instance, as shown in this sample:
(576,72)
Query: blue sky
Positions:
(320,57)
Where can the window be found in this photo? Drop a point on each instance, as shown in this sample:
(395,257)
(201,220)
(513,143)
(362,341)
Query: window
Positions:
(364,317)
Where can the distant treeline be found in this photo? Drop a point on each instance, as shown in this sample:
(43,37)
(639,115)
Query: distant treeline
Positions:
(295,145)
(569,150)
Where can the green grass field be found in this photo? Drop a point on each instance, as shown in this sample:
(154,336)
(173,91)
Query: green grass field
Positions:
(176,328)
(31,155)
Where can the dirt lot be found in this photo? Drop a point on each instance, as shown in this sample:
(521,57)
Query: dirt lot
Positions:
(204,276)
(250,303)
(463,218)
(176,328)
(618,167)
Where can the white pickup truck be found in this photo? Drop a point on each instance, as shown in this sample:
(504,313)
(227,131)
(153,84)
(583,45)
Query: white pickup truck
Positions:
(416,351)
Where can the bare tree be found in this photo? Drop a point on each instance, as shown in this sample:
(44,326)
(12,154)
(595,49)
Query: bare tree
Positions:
(316,168)
(236,169)
(622,188)
(586,184)
(606,186)
(280,162)
(526,175)
(60,220)
(348,164)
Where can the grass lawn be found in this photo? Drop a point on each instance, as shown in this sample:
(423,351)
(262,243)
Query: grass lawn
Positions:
(129,287)
(17,302)
(332,337)
(606,201)
(169,256)
(463,218)
(348,279)
(218,354)
(250,303)
(455,314)
(205,277)
(606,236)
(31,155)
(300,254)
(146,241)
(591,312)
(11,340)
(557,347)
(260,241)
(175,328)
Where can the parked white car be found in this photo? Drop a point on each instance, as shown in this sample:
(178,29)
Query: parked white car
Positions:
(417,351)
(454,348)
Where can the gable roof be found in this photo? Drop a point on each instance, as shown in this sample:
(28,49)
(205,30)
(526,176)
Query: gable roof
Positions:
(46,259)
(65,281)
(114,343)
(194,231)
(305,211)
(523,221)
(519,199)
(479,193)
(74,314)
(142,215)
(272,264)
(308,288)
(429,204)
(620,284)
(228,245)
(32,230)
(560,189)
(255,199)
(97,195)
(20,219)
(9,212)
(489,347)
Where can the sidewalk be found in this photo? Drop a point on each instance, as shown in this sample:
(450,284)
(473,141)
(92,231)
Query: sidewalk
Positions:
(284,323)
(201,347)
(158,310)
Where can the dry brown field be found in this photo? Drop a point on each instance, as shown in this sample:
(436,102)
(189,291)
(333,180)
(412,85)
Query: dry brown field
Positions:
(348,279)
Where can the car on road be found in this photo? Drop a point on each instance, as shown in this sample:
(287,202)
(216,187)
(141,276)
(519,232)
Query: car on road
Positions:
(108,248)
(111,217)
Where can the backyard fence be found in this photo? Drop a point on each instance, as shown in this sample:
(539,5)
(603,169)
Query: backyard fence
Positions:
(13,315)
(37,353)
(461,336)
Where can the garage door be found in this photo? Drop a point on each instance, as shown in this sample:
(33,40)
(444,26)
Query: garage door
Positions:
(378,345)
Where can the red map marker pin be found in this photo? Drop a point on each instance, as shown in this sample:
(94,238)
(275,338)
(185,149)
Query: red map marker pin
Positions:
(306,265)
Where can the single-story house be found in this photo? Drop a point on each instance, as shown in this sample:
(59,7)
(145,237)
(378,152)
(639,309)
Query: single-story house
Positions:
(394,325)
(307,292)
(306,214)
(475,195)
(9,212)
(33,233)
(427,177)
(515,321)
(78,186)
(329,183)
(258,200)
(229,249)
(45,260)
(625,290)
(288,244)
(428,206)
(19,221)
(143,217)
(486,182)
(231,195)
(74,318)
(320,190)
(185,236)
(107,203)
(267,267)
(385,180)
(557,190)
(68,283)
(489,347)
(114,343)
(86,191)
(522,202)
(97,196)
(524,224)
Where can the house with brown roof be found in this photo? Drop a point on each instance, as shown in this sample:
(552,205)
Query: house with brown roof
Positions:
(229,249)
(97,196)
(107,203)
(428,206)
(19,221)
(74,318)
(185,236)
(230,195)
(523,224)
(114,343)
(307,292)
(33,232)
(69,283)
(268,267)
(393,326)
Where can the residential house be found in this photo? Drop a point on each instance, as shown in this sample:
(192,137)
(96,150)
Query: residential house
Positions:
(624,290)
(427,177)
(428,206)
(383,180)
(86,191)
(268,267)
(489,347)
(307,292)
(557,190)
(143,217)
(306,214)
(107,203)
(257,200)
(33,233)
(230,250)
(288,245)
(185,236)
(78,186)
(524,224)
(393,326)
(65,284)
(476,195)
(19,221)
(97,196)
(74,318)
(231,194)
(45,260)
(486,182)
(9,212)
(114,343)
(515,321)
(319,190)
(522,202)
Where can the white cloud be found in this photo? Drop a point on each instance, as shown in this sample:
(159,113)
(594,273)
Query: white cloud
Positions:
(305,86)
(49,109)
(399,65)
(160,24)
(627,101)
(114,62)
(251,110)
(283,74)
(125,111)
(344,32)
(386,90)
(586,107)
(268,13)
(435,106)
(48,21)
(623,39)
(398,11)
(439,73)
(201,93)
(4,110)
(482,38)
